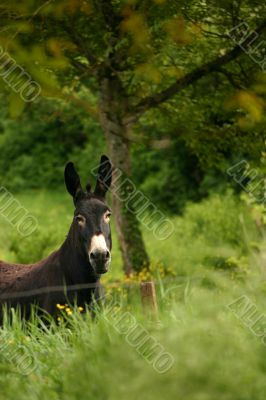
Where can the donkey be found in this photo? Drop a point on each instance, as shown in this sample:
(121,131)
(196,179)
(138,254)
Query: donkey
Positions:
(72,273)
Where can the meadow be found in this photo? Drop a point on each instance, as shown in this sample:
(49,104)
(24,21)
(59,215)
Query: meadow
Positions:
(173,94)
(215,256)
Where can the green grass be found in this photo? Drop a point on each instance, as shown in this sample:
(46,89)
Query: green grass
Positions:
(54,213)
(216,228)
(215,355)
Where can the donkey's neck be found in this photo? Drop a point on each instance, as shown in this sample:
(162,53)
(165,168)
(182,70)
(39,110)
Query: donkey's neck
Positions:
(74,261)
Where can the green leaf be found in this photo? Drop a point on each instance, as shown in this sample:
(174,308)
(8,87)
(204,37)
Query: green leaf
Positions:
(16,105)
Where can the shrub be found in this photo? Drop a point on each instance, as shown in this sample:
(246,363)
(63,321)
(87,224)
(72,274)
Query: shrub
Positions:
(220,219)
(34,156)
(28,250)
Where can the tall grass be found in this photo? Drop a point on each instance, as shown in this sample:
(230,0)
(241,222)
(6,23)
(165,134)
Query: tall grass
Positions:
(215,355)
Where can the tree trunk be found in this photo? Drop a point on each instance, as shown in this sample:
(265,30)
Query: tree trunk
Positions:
(112,108)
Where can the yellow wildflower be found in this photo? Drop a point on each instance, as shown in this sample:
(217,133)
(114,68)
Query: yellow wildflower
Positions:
(60,306)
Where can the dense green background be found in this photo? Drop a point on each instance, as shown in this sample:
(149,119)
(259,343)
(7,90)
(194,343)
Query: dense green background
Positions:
(180,152)
(216,253)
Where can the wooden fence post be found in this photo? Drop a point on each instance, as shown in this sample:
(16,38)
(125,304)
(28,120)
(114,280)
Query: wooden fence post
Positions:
(148,299)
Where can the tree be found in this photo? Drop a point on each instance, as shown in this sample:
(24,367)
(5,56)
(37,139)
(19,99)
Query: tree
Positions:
(133,56)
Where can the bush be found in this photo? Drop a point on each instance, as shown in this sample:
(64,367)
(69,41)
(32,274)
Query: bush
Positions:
(35,156)
(29,250)
(218,232)
(168,177)
(220,219)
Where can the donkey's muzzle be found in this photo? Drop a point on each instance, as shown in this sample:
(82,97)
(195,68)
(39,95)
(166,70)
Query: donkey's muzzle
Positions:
(100,260)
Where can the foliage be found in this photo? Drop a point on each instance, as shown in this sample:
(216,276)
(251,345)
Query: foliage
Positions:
(81,359)
(205,265)
(221,227)
(191,103)
(70,47)
(47,139)
(28,251)
(218,219)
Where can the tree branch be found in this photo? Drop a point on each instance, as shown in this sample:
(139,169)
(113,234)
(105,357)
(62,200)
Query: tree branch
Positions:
(84,69)
(214,34)
(231,78)
(111,18)
(81,45)
(189,78)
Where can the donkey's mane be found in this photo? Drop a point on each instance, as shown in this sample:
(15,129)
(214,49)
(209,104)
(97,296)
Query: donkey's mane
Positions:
(67,267)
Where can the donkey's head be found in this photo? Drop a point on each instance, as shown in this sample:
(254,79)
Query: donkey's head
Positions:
(92,215)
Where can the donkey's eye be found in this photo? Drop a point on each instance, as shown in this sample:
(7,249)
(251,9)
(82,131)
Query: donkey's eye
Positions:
(107,216)
(80,220)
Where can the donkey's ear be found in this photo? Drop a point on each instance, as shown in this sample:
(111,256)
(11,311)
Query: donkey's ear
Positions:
(104,177)
(72,181)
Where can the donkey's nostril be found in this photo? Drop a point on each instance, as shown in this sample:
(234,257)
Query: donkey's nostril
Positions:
(100,255)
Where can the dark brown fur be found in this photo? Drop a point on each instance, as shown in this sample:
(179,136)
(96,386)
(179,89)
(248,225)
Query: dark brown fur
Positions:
(66,275)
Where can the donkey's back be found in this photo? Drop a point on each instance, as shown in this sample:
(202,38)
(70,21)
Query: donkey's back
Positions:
(12,274)
(25,285)
(72,273)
